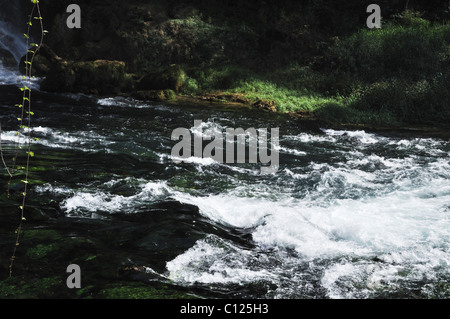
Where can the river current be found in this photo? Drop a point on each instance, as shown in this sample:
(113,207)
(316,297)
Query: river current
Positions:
(348,214)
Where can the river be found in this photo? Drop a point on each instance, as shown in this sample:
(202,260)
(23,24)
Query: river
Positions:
(348,214)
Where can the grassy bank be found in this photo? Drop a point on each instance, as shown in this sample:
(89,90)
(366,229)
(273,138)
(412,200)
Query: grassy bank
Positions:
(394,76)
(315,56)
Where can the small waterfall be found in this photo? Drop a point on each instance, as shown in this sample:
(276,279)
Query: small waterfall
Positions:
(12,28)
(12,41)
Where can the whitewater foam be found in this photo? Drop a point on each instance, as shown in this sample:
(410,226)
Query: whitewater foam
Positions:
(356,223)
(208,261)
(131,103)
(81,140)
(85,201)
(400,216)
(361,136)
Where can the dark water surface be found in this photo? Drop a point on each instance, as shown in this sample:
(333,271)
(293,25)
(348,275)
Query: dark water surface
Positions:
(349,214)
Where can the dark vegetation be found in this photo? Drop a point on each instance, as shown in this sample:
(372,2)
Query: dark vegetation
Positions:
(294,56)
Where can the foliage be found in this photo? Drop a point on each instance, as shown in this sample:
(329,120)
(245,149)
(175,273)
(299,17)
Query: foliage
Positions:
(417,102)
(401,69)
(414,51)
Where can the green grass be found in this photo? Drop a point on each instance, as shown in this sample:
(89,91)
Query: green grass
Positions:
(293,88)
(395,51)
(398,74)
(401,70)
(285,99)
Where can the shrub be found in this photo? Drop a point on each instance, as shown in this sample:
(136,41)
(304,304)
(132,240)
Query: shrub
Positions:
(413,50)
(411,102)
(191,86)
(401,69)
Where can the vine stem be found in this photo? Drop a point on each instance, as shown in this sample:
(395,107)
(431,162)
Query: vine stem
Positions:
(26,100)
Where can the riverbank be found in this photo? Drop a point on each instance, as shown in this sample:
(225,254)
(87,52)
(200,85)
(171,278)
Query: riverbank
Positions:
(288,58)
(306,119)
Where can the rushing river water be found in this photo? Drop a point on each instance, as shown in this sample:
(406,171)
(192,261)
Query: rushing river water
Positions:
(348,214)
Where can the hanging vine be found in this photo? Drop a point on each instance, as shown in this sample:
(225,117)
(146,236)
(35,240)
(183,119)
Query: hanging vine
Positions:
(24,120)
